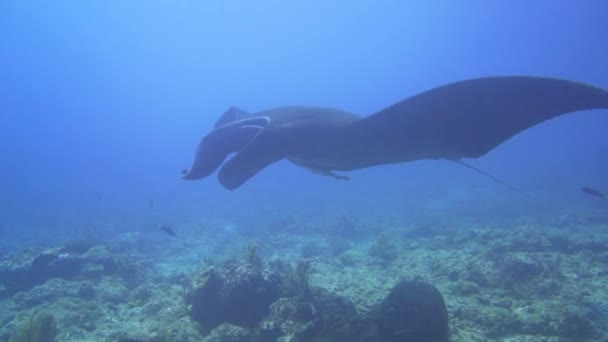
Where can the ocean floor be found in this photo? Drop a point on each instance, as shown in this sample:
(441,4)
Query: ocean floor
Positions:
(520,280)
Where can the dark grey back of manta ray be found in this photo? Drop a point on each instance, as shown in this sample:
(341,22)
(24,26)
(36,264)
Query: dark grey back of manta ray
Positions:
(464,119)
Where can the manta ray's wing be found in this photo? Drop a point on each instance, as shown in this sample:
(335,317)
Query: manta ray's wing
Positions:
(466,119)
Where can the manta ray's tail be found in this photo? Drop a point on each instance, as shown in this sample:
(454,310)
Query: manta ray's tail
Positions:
(491,177)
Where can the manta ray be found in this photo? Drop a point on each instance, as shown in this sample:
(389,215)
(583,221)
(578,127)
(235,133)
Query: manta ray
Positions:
(464,119)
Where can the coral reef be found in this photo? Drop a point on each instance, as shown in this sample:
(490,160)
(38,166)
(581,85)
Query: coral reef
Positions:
(525,283)
(239,294)
(351,227)
(384,250)
(241,303)
(39,328)
(37,267)
(413,311)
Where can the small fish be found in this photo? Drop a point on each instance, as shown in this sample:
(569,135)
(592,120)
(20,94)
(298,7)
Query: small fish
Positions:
(167,229)
(594,192)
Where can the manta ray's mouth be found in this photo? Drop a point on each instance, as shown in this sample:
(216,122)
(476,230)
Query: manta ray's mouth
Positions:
(215,147)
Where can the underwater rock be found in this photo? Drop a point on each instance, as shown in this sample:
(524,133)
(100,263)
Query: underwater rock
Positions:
(50,291)
(329,317)
(228,333)
(140,295)
(571,220)
(239,294)
(465,288)
(473,274)
(287,317)
(413,311)
(593,246)
(39,328)
(127,267)
(77,246)
(384,250)
(338,316)
(338,245)
(111,290)
(576,324)
(43,260)
(522,267)
(92,271)
(43,266)
(351,258)
(562,244)
(349,227)
(313,249)
(283,224)
(268,331)
(248,297)
(241,302)
(143,339)
(501,322)
(548,288)
(86,292)
(422,231)
(568,323)
(37,267)
(152,308)
(100,255)
(295,280)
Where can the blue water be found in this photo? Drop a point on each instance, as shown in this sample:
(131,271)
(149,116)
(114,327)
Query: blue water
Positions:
(102,104)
